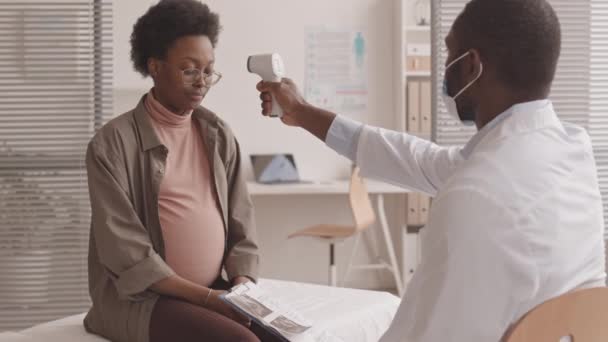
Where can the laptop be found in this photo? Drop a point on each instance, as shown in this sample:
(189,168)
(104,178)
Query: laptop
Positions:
(275,168)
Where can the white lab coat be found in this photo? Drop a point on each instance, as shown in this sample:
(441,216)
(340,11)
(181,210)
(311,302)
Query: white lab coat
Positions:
(513,224)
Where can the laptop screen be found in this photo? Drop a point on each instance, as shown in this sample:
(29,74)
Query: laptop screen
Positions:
(274,168)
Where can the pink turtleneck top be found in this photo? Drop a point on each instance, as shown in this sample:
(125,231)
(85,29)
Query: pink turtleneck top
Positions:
(191,220)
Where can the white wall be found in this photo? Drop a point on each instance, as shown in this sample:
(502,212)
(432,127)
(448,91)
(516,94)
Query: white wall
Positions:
(279,26)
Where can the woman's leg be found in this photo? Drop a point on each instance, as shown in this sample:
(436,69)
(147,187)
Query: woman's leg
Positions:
(263,334)
(175,320)
(259,331)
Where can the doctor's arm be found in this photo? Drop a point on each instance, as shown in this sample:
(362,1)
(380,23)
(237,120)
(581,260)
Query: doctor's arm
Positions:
(385,155)
(476,274)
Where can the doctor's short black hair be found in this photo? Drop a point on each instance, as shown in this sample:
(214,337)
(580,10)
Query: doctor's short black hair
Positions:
(520,39)
(164,23)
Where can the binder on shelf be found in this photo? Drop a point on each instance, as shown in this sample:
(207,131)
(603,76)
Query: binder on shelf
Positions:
(419,50)
(425,108)
(418,63)
(413,107)
(424,208)
(411,254)
(418,57)
(413,209)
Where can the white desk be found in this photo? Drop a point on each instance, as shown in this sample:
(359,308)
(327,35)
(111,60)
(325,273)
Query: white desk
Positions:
(341,187)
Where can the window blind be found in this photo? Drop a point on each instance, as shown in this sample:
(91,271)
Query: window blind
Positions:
(55,91)
(598,109)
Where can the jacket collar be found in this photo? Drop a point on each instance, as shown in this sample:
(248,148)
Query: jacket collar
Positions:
(520,118)
(147,135)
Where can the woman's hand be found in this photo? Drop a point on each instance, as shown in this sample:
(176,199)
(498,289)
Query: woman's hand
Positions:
(214,303)
(240,280)
(176,286)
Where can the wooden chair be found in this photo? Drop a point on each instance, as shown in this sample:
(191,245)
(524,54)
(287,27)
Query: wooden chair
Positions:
(581,315)
(363,215)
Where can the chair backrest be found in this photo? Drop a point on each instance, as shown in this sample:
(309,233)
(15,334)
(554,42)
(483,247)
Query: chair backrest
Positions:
(581,315)
(363,212)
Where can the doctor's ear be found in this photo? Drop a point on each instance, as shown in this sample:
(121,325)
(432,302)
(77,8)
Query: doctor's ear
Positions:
(475,64)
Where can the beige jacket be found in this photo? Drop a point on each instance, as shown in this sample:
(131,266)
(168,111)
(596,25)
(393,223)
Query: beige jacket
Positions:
(125,162)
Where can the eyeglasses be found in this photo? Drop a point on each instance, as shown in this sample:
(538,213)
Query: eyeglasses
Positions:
(192,76)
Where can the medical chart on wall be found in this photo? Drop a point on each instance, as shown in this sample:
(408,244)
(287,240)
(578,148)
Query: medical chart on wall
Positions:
(336,70)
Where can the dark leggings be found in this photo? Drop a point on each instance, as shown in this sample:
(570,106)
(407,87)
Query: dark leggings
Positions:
(176,320)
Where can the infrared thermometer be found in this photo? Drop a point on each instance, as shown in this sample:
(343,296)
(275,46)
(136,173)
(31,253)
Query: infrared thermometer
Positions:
(271,69)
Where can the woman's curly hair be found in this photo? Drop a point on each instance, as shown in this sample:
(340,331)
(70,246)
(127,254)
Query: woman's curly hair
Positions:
(164,23)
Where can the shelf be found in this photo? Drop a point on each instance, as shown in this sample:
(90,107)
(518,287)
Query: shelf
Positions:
(417,74)
(413,28)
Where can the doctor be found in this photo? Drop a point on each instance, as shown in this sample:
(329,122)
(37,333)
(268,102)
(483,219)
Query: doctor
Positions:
(517,215)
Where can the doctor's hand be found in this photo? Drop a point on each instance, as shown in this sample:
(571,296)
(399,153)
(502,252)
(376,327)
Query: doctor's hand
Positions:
(296,111)
(288,97)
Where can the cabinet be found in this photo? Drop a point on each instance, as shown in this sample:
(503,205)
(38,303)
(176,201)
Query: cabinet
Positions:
(413,104)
